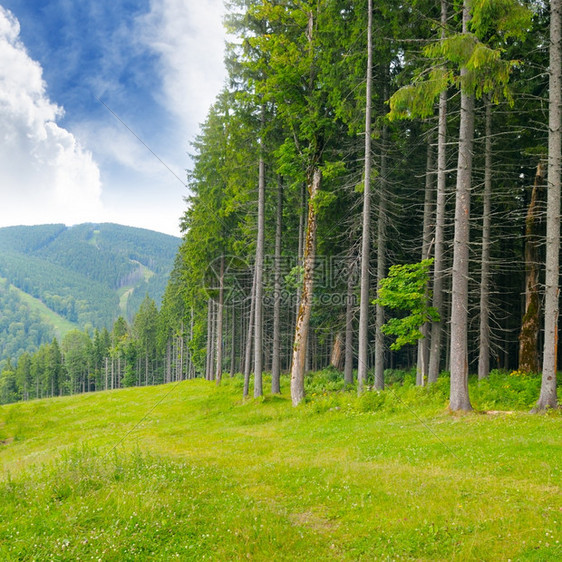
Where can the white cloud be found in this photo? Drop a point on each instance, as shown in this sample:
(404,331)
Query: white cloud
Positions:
(45,174)
(189,39)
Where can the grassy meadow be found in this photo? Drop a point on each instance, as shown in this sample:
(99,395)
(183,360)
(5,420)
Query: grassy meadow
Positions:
(189,471)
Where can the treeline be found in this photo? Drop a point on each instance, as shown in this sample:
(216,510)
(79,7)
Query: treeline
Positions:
(134,354)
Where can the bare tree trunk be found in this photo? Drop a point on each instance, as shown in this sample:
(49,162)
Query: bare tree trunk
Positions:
(209,347)
(530,325)
(167,364)
(548,398)
(258,349)
(459,399)
(337,357)
(300,251)
(233,343)
(276,359)
(191,373)
(423,343)
(381,264)
(173,366)
(438,263)
(362,358)
(484,356)
(305,307)
(248,352)
(219,335)
(348,367)
(182,349)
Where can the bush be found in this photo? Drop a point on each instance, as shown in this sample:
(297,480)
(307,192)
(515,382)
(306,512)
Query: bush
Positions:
(506,390)
(327,380)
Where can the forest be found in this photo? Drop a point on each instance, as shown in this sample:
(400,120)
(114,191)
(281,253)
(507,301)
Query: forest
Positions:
(353,137)
(54,279)
(376,187)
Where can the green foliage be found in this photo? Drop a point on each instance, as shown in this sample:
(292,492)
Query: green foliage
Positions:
(323,199)
(418,99)
(485,71)
(500,20)
(406,289)
(507,390)
(473,62)
(322,382)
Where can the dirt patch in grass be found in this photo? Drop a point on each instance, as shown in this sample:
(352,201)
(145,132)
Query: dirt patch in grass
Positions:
(313,521)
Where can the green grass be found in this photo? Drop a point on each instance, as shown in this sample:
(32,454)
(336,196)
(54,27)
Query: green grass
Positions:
(191,472)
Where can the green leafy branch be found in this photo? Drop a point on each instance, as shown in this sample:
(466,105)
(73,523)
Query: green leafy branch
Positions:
(406,288)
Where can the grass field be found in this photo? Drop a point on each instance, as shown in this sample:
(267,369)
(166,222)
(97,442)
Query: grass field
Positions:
(190,472)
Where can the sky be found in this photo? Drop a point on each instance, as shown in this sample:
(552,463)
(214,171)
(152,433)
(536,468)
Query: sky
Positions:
(81,81)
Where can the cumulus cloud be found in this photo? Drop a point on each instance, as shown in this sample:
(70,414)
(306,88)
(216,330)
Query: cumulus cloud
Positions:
(189,39)
(45,174)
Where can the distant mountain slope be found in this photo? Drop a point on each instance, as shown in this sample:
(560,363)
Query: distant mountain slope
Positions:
(21,327)
(87,274)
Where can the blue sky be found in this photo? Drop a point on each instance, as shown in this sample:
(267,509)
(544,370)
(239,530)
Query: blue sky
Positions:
(157,64)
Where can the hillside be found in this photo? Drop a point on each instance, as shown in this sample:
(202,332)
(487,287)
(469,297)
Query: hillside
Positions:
(188,471)
(58,277)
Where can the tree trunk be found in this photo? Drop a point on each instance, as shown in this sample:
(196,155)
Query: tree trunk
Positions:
(381,263)
(219,335)
(209,349)
(258,349)
(548,398)
(212,343)
(300,251)
(146,368)
(337,357)
(484,356)
(423,343)
(305,306)
(248,352)
(276,355)
(362,358)
(459,399)
(233,342)
(438,263)
(530,325)
(191,324)
(348,368)
(182,349)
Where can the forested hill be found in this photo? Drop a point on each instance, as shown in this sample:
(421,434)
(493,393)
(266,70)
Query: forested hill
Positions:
(55,277)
